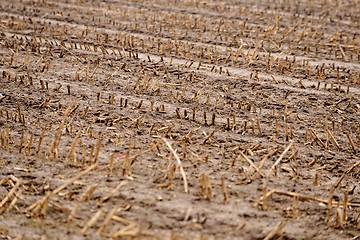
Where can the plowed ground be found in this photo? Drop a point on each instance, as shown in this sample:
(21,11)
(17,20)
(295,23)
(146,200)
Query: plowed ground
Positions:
(154,119)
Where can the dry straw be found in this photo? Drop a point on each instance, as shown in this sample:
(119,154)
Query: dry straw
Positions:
(34,208)
(280,158)
(54,148)
(178,161)
(276,230)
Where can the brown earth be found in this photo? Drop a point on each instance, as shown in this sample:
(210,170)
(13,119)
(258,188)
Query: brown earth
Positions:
(259,100)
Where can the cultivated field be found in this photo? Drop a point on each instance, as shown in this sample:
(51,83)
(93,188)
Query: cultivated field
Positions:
(169,119)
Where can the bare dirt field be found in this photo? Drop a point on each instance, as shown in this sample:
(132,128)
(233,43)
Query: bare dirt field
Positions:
(168,119)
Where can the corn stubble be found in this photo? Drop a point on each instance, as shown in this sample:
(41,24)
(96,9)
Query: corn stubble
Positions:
(180,105)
